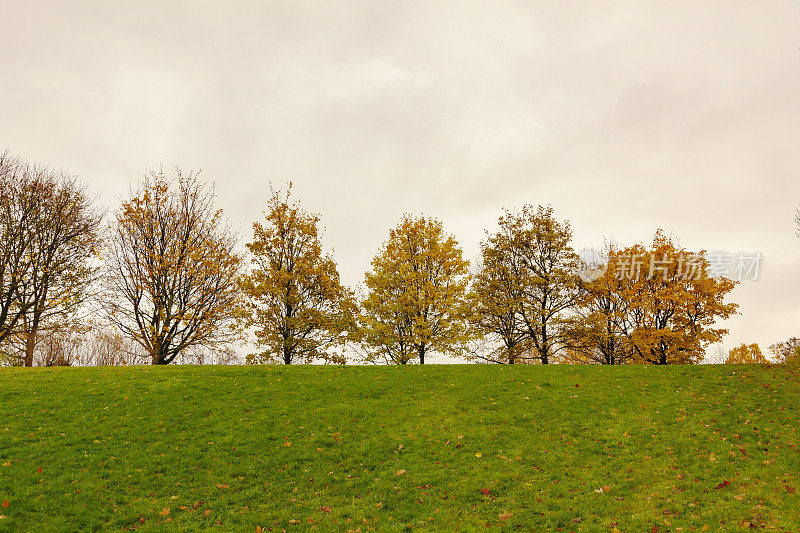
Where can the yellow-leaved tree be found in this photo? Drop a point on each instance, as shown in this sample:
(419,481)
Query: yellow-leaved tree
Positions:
(528,285)
(495,297)
(417,295)
(746,354)
(300,309)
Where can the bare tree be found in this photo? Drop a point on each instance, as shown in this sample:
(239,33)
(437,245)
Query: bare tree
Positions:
(50,236)
(17,208)
(173,270)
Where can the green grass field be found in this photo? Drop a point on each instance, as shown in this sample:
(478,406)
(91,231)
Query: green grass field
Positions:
(531,448)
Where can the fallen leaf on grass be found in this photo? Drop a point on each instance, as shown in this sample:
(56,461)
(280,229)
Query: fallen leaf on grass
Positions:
(399,472)
(164,512)
(325,509)
(485,491)
(723,484)
(5,504)
(505,515)
(222,486)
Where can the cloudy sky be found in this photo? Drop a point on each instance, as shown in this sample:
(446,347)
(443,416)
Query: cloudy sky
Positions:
(624,116)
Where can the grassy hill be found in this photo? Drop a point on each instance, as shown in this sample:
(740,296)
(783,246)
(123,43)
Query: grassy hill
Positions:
(561,448)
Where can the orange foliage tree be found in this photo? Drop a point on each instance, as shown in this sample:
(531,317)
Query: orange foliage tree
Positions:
(672,301)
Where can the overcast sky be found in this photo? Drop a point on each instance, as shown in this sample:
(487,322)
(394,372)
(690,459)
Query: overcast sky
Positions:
(624,116)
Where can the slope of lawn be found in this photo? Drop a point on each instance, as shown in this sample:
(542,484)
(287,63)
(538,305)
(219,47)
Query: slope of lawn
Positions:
(531,448)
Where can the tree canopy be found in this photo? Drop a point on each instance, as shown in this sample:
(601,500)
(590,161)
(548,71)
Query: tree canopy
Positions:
(299,307)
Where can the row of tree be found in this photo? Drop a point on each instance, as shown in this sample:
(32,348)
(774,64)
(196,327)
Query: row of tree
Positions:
(168,275)
(786,352)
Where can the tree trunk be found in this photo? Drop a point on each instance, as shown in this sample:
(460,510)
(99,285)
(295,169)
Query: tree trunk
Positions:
(287,354)
(30,340)
(159,357)
(30,344)
(544,355)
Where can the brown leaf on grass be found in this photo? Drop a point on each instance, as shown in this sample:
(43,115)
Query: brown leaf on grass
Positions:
(505,515)
(164,512)
(723,484)
(399,472)
(325,509)
(485,491)
(5,504)
(222,486)
(789,489)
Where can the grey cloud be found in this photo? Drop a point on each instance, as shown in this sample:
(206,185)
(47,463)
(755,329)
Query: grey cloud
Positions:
(624,116)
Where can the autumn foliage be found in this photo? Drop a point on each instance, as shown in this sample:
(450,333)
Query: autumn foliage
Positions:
(175,287)
(49,240)
(527,285)
(654,305)
(299,307)
(746,354)
(417,295)
(171,280)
